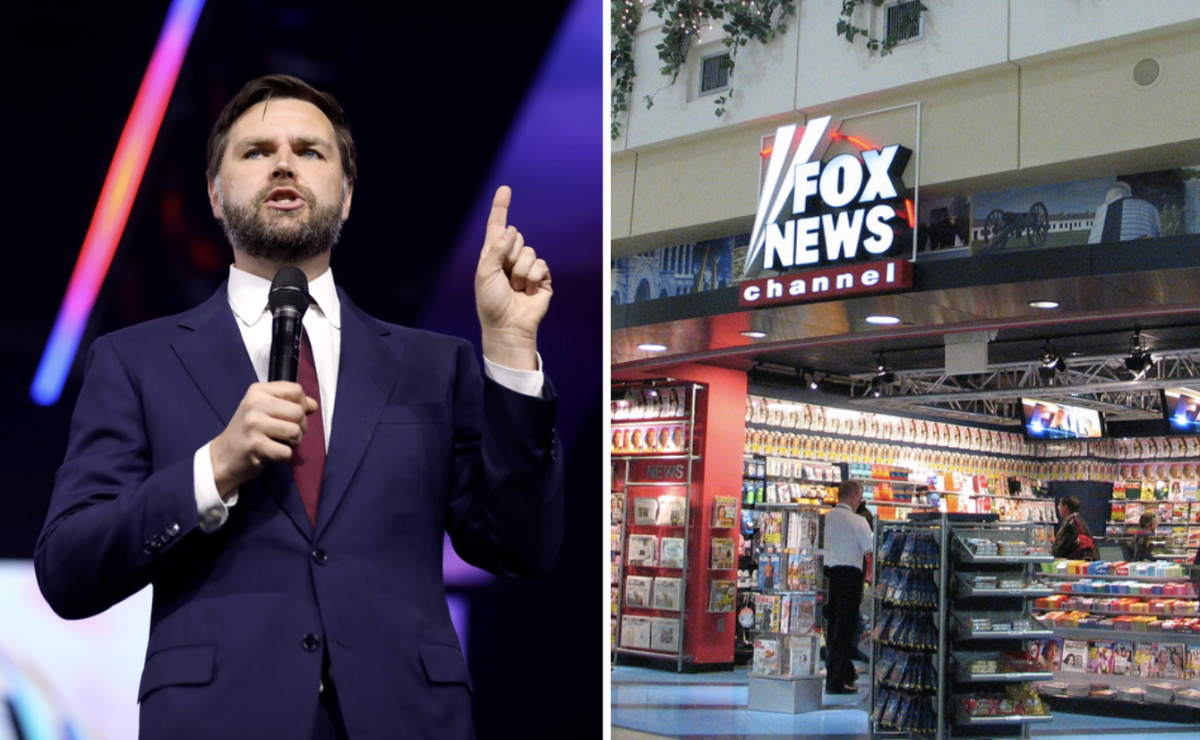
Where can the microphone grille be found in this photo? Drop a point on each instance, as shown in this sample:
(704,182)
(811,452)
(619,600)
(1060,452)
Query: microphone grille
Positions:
(289,288)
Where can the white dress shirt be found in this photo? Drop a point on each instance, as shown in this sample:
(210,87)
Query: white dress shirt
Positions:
(323,323)
(847,537)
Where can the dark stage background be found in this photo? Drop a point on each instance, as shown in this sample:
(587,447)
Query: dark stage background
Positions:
(439,100)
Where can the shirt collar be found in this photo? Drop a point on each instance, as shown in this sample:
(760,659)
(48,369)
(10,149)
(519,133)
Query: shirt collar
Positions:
(248,296)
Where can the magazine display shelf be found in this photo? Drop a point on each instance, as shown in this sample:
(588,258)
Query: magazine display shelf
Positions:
(1117,669)
(775,484)
(675,574)
(784,675)
(1172,501)
(963,675)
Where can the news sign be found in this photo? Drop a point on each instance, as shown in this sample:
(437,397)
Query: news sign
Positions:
(828,284)
(815,214)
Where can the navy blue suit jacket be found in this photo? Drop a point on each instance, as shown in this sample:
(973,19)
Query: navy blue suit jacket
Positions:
(420,445)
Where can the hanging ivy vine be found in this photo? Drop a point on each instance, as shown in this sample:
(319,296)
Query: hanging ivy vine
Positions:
(847,28)
(626,16)
(751,20)
(742,20)
(683,20)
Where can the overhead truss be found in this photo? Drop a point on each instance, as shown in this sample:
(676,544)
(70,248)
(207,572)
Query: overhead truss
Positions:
(1100,383)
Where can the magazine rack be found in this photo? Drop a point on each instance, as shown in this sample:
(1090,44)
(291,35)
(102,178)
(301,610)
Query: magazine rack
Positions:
(674,567)
(784,675)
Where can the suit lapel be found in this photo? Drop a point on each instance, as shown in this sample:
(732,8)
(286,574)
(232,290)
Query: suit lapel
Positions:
(367,372)
(214,355)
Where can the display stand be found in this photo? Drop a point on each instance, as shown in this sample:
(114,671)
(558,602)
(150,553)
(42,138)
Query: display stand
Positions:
(784,675)
(674,586)
(908,614)
(1115,628)
(991,626)
(952,616)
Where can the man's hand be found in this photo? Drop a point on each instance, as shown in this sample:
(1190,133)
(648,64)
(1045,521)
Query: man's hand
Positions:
(512,291)
(268,425)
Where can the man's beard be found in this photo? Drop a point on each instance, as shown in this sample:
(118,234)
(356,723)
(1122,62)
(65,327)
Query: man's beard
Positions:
(274,237)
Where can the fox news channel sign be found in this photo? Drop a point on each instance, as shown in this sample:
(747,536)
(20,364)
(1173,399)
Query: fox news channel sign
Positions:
(836,216)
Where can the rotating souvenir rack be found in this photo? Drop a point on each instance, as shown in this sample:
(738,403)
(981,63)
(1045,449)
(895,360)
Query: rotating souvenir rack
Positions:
(784,672)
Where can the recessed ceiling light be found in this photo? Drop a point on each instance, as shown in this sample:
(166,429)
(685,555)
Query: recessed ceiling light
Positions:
(653,347)
(754,334)
(882,320)
(1043,304)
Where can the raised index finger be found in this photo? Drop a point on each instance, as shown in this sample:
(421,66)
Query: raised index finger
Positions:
(498,218)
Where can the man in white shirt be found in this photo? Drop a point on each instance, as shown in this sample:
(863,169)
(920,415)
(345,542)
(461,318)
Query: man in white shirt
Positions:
(292,603)
(847,541)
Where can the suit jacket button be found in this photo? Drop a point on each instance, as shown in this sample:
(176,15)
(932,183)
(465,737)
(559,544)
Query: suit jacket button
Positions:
(174,530)
(319,557)
(311,643)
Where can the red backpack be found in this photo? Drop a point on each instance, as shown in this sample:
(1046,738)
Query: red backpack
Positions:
(1085,546)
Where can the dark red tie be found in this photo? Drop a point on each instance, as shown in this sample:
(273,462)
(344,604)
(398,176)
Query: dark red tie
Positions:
(308,460)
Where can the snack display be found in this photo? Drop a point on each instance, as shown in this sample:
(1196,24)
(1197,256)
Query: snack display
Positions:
(995,548)
(1016,699)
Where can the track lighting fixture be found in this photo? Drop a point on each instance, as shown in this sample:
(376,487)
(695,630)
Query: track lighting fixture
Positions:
(884,377)
(1138,362)
(883,372)
(1052,362)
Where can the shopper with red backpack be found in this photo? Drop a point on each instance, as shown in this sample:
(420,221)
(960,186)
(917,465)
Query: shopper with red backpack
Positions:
(1073,540)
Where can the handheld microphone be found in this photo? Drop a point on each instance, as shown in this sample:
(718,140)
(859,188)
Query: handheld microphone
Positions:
(288,300)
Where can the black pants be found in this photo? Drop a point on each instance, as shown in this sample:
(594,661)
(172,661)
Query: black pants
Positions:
(841,623)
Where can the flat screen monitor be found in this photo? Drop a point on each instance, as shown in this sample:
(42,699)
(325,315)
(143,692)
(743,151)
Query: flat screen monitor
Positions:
(1182,409)
(1049,421)
(1110,553)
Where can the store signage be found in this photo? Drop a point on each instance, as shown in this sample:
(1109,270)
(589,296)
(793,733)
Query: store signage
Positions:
(819,214)
(828,284)
(656,471)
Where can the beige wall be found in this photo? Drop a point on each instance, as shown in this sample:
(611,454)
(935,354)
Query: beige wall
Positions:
(960,37)
(1088,105)
(694,182)
(1056,116)
(1041,27)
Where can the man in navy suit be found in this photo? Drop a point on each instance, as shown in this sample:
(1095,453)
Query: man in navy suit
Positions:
(273,616)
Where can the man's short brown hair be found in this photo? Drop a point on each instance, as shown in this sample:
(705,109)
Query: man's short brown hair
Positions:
(281,87)
(849,488)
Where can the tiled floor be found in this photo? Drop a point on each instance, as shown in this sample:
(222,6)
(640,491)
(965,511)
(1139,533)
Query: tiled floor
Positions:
(650,704)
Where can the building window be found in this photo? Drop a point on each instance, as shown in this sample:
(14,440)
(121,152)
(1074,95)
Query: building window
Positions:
(904,22)
(714,73)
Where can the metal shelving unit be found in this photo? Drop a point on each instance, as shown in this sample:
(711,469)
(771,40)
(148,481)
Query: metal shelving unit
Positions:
(1131,679)
(967,657)
(991,625)
(909,629)
(629,457)
(793,683)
